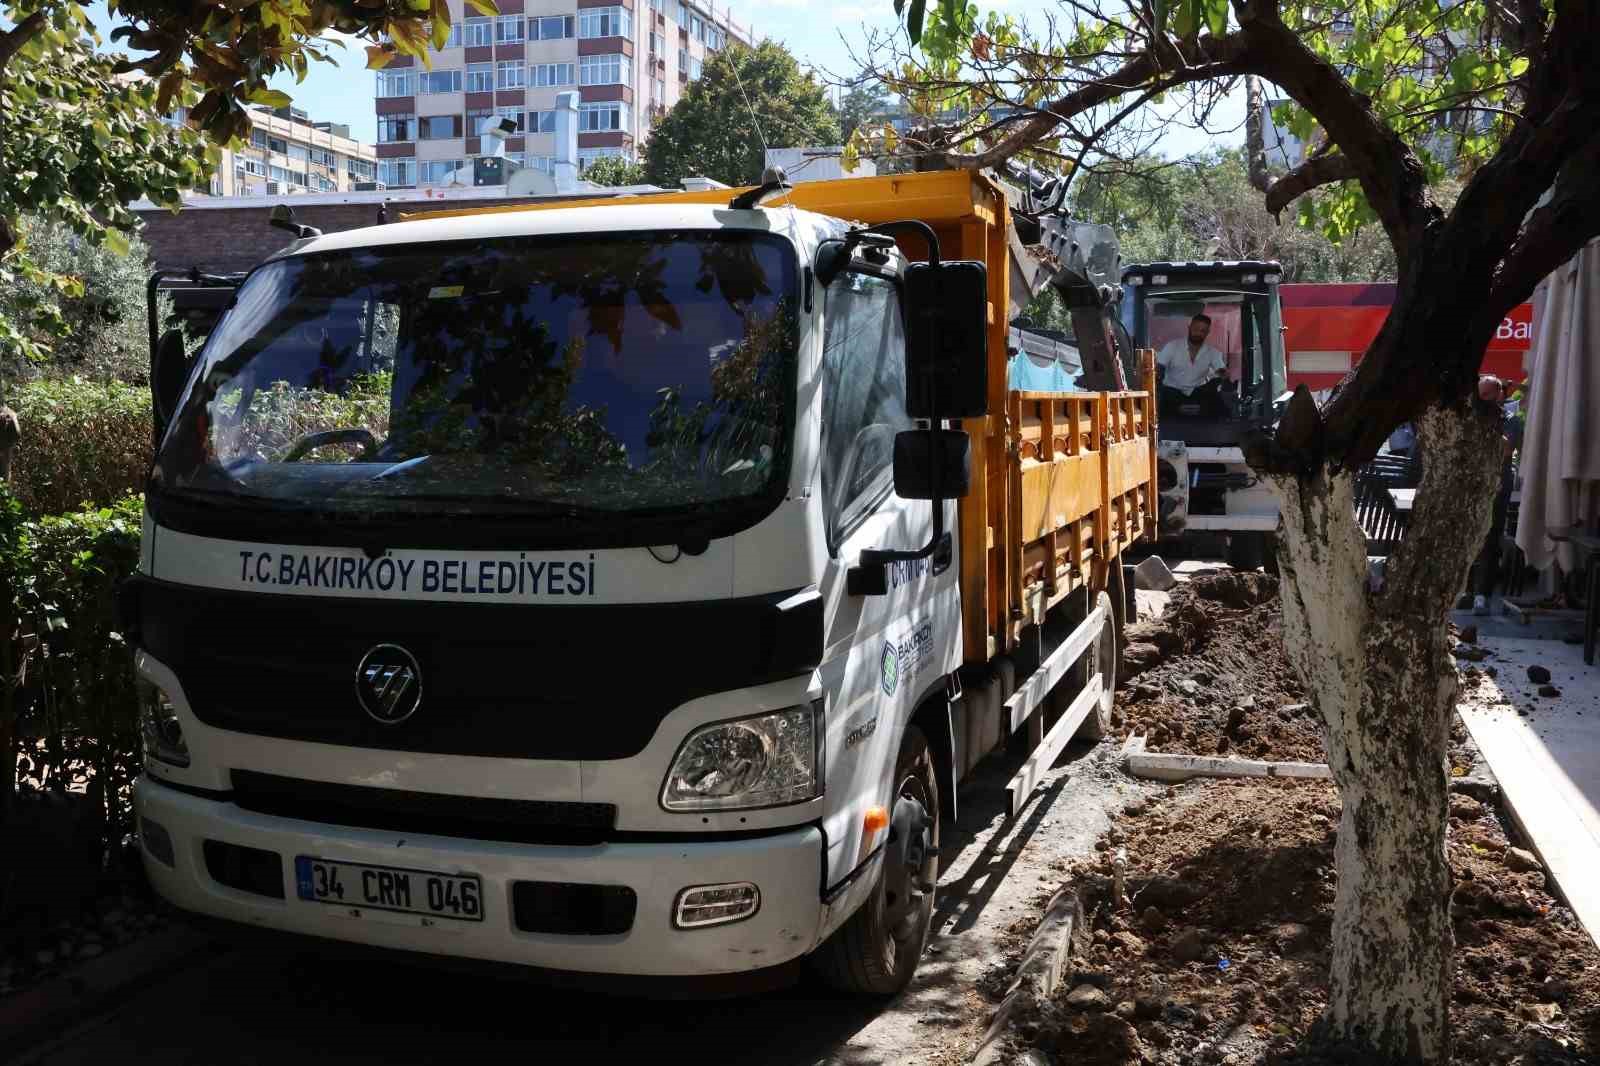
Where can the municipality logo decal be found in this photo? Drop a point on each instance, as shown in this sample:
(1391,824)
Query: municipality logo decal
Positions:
(891,668)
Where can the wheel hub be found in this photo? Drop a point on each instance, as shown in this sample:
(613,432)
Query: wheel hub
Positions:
(909,846)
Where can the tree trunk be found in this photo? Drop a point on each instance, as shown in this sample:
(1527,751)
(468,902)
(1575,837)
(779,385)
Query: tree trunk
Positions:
(1375,654)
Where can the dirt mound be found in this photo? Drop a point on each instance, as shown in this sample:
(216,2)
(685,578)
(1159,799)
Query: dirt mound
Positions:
(1222,954)
(1212,676)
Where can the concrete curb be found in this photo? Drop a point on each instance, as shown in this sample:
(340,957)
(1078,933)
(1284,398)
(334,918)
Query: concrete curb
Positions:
(45,1011)
(1172,768)
(1039,975)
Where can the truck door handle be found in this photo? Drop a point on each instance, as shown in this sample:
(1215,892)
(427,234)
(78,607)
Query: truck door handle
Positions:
(943,554)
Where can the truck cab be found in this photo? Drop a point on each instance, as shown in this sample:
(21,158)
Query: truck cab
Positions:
(618,589)
(1206,487)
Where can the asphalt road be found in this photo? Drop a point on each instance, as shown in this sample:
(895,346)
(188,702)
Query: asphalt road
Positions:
(249,1006)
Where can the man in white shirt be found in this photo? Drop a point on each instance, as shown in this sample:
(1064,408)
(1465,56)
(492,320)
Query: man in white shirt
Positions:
(1190,370)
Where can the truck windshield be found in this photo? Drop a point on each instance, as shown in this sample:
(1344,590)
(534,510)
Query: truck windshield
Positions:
(524,376)
(1240,327)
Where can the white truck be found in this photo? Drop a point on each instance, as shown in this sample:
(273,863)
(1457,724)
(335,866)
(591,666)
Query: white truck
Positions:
(620,588)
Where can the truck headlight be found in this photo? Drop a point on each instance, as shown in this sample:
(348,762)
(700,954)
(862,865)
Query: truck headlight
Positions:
(765,761)
(158,722)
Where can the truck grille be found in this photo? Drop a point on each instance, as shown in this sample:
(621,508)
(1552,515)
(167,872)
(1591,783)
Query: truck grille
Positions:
(396,810)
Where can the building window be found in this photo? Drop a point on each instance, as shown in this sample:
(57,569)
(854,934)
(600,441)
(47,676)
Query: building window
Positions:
(278,174)
(437,171)
(606,117)
(509,74)
(439,81)
(276,145)
(612,69)
(514,157)
(454,40)
(514,114)
(683,61)
(396,82)
(438,127)
(480,77)
(658,45)
(605,22)
(683,13)
(251,166)
(697,27)
(658,92)
(694,67)
(553,74)
(507,29)
(556,27)
(541,121)
(479,33)
(258,138)
(298,153)
(475,120)
(589,155)
(361,169)
(393,128)
(657,5)
(393,172)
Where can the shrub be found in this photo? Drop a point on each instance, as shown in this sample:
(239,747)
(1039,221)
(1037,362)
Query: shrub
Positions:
(107,336)
(83,443)
(77,712)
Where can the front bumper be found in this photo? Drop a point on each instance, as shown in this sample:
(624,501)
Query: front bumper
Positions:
(786,866)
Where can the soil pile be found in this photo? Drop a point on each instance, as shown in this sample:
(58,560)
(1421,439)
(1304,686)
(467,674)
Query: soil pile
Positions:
(1210,676)
(1221,952)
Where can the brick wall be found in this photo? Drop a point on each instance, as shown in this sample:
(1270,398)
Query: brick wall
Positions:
(237,238)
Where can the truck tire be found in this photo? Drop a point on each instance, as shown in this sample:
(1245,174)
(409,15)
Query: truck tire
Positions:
(876,951)
(1101,657)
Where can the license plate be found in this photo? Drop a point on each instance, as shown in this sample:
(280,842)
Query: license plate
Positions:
(389,888)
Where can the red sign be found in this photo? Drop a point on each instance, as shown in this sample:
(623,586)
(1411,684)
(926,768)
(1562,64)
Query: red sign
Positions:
(1329,327)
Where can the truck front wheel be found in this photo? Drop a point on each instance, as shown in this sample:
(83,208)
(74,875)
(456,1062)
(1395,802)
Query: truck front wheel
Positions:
(875,952)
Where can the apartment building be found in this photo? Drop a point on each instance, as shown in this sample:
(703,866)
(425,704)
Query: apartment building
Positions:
(289,153)
(629,60)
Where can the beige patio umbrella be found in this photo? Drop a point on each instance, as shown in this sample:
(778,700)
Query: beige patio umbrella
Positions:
(1561,440)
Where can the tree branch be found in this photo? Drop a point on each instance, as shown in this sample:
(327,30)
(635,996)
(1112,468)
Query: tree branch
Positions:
(13,39)
(1312,174)
(1255,115)
(1553,234)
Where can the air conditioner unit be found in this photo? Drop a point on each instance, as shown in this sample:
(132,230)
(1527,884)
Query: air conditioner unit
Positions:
(370,186)
(275,188)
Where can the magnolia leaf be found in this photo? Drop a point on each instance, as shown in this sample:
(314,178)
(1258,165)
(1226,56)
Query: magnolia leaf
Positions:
(117,241)
(891,140)
(378,56)
(914,19)
(270,97)
(484,7)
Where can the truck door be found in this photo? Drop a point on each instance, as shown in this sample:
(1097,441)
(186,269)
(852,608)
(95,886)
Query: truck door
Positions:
(883,652)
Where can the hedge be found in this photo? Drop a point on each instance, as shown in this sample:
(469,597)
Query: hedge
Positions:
(84,443)
(77,724)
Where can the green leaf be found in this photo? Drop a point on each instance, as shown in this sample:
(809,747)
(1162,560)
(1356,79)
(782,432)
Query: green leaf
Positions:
(270,97)
(914,18)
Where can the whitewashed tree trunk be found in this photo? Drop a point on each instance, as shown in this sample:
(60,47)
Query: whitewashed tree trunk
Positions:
(1377,660)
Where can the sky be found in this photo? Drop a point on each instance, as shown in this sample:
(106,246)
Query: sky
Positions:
(820,34)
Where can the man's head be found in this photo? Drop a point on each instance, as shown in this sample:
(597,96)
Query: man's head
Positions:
(1199,329)
(1491,389)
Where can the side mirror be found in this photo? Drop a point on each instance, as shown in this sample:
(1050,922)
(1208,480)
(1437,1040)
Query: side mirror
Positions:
(168,372)
(932,464)
(947,364)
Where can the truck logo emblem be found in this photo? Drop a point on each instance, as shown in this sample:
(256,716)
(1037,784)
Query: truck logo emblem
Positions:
(891,668)
(389,684)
